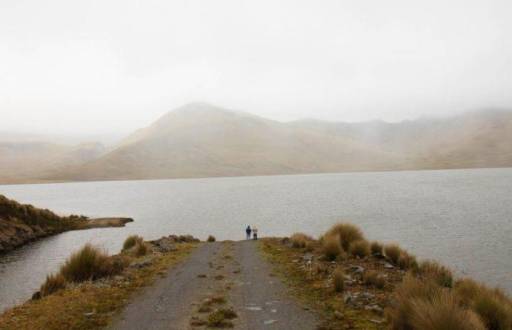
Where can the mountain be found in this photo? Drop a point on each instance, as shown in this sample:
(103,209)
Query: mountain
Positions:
(201,140)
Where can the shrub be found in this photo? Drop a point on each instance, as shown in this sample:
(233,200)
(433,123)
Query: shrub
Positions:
(331,247)
(89,263)
(299,240)
(440,274)
(338,278)
(141,249)
(53,284)
(493,310)
(360,248)
(131,241)
(347,233)
(211,239)
(443,312)
(376,248)
(372,278)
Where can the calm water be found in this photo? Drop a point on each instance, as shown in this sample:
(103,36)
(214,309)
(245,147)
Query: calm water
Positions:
(460,217)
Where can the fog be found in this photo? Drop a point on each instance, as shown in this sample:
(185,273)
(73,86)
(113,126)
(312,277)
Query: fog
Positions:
(109,67)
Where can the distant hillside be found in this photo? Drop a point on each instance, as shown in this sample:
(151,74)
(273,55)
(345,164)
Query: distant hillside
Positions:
(201,140)
(472,139)
(27,160)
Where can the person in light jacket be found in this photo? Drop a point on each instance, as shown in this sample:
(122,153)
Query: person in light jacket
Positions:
(254,233)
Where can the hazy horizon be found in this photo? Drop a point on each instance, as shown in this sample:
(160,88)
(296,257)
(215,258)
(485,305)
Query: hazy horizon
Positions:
(108,68)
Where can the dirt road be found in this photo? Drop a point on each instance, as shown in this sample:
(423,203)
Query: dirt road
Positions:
(217,276)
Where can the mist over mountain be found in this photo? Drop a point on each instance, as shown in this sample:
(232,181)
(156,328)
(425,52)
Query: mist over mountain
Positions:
(201,140)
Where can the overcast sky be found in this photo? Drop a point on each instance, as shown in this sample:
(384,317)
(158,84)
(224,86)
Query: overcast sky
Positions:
(113,66)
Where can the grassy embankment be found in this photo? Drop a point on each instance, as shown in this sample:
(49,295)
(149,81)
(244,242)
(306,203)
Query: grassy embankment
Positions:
(91,286)
(357,284)
(22,223)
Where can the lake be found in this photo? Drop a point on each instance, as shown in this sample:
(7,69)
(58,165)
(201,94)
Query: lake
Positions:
(462,218)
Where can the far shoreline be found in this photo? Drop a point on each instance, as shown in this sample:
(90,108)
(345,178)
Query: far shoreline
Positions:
(50,182)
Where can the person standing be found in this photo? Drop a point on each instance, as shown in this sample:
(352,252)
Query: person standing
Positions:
(248,232)
(254,233)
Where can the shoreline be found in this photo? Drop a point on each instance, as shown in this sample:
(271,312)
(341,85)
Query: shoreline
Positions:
(23,223)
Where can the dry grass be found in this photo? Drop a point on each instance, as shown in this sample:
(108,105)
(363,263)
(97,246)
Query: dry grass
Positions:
(494,309)
(392,252)
(43,218)
(299,240)
(331,247)
(467,290)
(131,241)
(71,308)
(88,264)
(52,284)
(443,312)
(493,306)
(221,318)
(407,261)
(141,249)
(401,311)
(439,273)
(360,248)
(211,239)
(373,278)
(377,248)
(310,246)
(347,233)
(338,279)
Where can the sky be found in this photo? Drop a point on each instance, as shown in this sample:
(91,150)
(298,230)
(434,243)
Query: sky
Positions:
(101,67)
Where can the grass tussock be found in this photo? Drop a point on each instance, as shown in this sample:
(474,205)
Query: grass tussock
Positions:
(346,233)
(131,241)
(300,240)
(211,239)
(360,248)
(407,261)
(494,309)
(437,272)
(53,283)
(373,278)
(221,318)
(141,249)
(443,312)
(376,248)
(424,303)
(331,247)
(338,279)
(88,264)
(392,252)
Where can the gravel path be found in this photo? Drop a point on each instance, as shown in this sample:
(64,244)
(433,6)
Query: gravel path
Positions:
(234,271)
(167,304)
(261,299)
